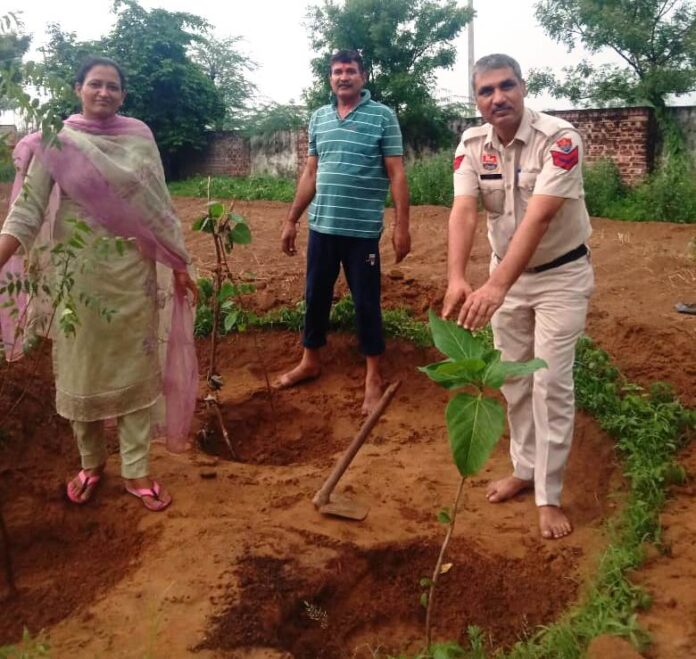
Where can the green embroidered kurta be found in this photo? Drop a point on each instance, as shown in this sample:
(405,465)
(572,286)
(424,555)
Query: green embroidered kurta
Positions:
(107,368)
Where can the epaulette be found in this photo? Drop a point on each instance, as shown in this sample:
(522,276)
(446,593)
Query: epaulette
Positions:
(476,131)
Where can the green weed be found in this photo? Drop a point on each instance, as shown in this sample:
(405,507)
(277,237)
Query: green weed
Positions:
(225,187)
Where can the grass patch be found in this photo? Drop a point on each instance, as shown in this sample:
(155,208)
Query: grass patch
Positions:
(649,426)
(666,195)
(250,188)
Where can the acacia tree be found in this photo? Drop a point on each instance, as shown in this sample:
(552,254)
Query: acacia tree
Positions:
(228,68)
(655,39)
(403,43)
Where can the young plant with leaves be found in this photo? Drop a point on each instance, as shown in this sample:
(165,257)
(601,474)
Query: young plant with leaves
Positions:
(227,229)
(475,420)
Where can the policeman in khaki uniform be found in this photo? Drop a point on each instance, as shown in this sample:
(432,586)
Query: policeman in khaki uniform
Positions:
(527,168)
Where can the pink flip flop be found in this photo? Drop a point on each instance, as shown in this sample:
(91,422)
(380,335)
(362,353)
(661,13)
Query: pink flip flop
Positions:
(85,482)
(153,492)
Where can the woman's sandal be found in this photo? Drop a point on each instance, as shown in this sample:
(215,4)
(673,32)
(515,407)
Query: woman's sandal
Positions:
(87,485)
(153,492)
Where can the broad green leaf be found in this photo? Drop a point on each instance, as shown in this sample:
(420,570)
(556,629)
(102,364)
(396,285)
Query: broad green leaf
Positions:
(196,226)
(241,234)
(498,372)
(424,600)
(474,425)
(426,582)
(451,374)
(444,517)
(230,320)
(215,210)
(235,217)
(228,289)
(453,341)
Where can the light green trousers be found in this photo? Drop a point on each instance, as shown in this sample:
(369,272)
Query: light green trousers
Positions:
(134,433)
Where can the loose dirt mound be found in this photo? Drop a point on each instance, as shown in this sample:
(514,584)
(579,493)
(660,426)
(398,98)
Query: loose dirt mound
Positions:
(334,610)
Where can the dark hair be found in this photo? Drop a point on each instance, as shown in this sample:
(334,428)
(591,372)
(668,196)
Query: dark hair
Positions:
(346,56)
(93,61)
(495,61)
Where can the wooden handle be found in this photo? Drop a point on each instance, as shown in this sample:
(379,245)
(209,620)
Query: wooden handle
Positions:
(323,495)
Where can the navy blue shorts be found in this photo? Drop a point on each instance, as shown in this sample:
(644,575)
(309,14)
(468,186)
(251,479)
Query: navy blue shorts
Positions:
(361,265)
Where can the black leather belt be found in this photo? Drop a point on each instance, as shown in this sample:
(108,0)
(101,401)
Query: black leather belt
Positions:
(572,255)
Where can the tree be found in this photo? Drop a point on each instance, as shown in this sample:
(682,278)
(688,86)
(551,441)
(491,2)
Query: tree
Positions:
(13,46)
(655,39)
(274,117)
(166,89)
(227,68)
(403,43)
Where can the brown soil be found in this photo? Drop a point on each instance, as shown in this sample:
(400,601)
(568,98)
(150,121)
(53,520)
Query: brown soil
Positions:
(227,570)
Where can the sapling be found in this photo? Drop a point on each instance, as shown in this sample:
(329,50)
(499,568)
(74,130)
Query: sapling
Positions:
(226,228)
(475,420)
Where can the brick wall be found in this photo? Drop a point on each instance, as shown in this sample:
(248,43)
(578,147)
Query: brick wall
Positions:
(301,146)
(226,154)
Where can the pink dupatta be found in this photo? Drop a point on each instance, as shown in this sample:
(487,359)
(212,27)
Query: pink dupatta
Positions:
(150,220)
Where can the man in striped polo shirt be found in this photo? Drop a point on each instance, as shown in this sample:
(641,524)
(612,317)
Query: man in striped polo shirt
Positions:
(355,154)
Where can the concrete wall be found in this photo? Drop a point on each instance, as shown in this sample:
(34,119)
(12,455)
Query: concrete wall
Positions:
(274,154)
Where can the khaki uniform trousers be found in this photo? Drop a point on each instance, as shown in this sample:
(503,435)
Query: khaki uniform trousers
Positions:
(543,316)
(134,431)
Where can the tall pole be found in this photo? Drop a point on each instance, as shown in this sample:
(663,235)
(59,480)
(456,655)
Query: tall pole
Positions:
(472,95)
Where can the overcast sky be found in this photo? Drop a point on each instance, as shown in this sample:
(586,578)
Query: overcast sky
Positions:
(276,38)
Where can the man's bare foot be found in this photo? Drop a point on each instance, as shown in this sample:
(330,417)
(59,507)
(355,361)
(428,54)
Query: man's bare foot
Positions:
(150,492)
(301,373)
(506,488)
(553,523)
(374,388)
(81,488)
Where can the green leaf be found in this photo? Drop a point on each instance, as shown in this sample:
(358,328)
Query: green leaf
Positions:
(444,517)
(241,234)
(424,600)
(215,210)
(230,320)
(447,651)
(474,425)
(426,582)
(228,289)
(451,374)
(453,341)
(498,372)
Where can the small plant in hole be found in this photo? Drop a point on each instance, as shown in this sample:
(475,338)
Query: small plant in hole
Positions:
(475,420)
(227,229)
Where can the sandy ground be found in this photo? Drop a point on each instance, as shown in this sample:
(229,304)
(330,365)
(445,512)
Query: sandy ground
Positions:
(243,566)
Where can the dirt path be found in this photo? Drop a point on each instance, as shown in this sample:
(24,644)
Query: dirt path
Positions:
(242,565)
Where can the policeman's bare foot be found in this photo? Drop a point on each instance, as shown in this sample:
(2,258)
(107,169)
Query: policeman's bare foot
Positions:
(309,368)
(554,523)
(506,488)
(374,388)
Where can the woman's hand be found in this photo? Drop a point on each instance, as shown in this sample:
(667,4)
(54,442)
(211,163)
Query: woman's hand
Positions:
(183,281)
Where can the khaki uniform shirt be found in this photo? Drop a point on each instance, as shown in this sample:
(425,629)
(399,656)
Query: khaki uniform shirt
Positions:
(544,158)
